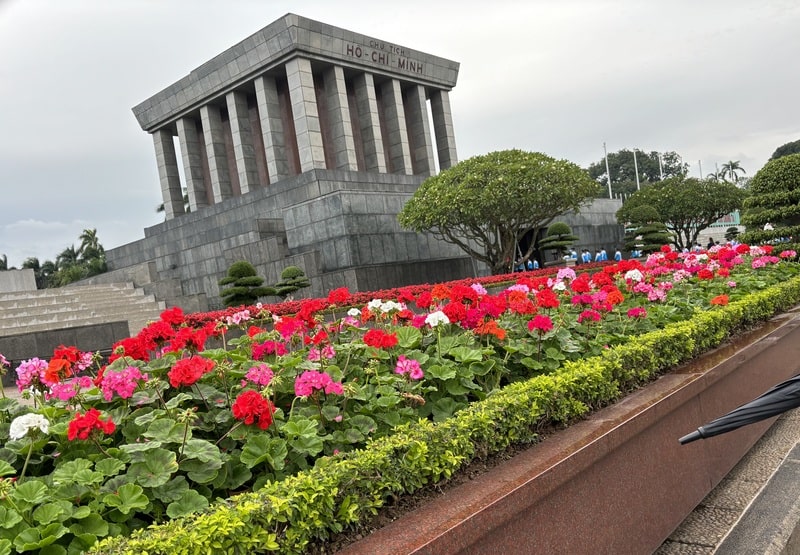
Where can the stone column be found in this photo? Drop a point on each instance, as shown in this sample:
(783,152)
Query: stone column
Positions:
(305,114)
(344,149)
(374,158)
(168,173)
(419,131)
(192,163)
(215,151)
(443,129)
(242,136)
(397,140)
(269,112)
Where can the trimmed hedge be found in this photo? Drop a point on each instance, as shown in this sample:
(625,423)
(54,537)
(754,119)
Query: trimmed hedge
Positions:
(339,491)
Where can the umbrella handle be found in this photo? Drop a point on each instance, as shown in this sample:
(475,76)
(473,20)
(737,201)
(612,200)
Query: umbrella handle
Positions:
(688,438)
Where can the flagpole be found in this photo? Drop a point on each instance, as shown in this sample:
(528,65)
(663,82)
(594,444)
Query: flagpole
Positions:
(636,169)
(660,167)
(608,173)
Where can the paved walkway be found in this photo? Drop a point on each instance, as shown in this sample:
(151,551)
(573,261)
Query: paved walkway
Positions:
(756,507)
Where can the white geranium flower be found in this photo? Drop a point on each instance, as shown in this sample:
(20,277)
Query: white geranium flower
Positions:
(354,312)
(435,318)
(634,275)
(389,306)
(374,304)
(559,286)
(21,425)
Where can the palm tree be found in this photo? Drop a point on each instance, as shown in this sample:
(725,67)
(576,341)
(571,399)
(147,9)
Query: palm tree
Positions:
(68,257)
(89,240)
(731,170)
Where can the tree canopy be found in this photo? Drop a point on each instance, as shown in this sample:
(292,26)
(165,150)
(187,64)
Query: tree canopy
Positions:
(686,205)
(774,199)
(623,170)
(487,203)
(786,149)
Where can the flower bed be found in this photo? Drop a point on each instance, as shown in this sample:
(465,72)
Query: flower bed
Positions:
(172,431)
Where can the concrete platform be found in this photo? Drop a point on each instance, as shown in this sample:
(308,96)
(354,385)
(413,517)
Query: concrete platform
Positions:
(756,507)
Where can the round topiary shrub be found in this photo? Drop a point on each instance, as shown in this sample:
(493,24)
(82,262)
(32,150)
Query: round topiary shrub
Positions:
(772,209)
(292,279)
(559,238)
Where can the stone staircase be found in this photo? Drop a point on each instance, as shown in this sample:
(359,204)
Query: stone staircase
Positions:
(82,305)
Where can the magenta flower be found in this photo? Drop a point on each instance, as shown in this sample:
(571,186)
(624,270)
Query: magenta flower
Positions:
(30,372)
(410,367)
(260,375)
(123,383)
(541,323)
(637,312)
(590,316)
(310,381)
(69,389)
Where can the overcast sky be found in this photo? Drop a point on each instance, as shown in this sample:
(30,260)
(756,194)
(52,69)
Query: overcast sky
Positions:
(712,80)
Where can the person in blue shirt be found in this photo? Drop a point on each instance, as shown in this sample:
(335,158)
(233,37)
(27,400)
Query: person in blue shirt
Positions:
(529,264)
(603,255)
(586,256)
(617,256)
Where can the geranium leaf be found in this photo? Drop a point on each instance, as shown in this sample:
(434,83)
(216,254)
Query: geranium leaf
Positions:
(155,470)
(109,467)
(165,430)
(200,472)
(261,448)
(203,450)
(172,490)
(9,517)
(31,492)
(190,502)
(6,469)
(127,498)
(50,512)
(92,524)
(65,471)
(408,337)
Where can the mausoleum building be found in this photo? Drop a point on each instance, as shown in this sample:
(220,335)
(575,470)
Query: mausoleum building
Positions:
(297,146)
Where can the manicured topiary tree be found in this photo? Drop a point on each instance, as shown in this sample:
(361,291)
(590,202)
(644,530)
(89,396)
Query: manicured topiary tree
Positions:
(245,287)
(292,279)
(645,231)
(774,199)
(731,233)
(558,239)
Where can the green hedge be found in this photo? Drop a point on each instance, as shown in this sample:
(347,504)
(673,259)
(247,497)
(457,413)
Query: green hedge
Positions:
(339,491)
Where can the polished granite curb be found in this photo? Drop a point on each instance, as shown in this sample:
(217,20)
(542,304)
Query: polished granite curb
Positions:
(756,507)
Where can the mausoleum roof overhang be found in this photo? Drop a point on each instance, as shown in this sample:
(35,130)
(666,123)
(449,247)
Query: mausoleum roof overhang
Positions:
(289,37)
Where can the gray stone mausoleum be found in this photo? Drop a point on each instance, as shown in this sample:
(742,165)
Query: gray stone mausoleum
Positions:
(299,146)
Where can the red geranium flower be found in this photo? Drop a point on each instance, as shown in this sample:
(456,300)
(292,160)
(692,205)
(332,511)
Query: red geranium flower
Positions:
(188,370)
(82,425)
(250,407)
(338,296)
(541,323)
(705,274)
(720,300)
(380,339)
(173,316)
(547,299)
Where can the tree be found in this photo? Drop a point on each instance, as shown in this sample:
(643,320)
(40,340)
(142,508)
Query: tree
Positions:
(623,169)
(486,204)
(3,263)
(68,257)
(730,171)
(559,238)
(731,233)
(645,230)
(292,279)
(245,285)
(686,206)
(785,150)
(774,199)
(162,208)
(90,244)
(32,263)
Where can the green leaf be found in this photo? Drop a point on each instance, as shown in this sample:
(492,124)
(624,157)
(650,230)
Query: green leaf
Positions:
(465,354)
(148,417)
(200,472)
(109,467)
(362,423)
(36,538)
(444,408)
(408,337)
(138,451)
(203,450)
(65,471)
(50,512)
(81,543)
(190,502)
(8,517)
(6,469)
(156,468)
(92,524)
(87,477)
(5,547)
(264,448)
(172,490)
(31,492)
(166,430)
(441,372)
(177,400)
(128,498)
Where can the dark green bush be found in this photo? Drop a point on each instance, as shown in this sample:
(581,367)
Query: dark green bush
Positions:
(245,285)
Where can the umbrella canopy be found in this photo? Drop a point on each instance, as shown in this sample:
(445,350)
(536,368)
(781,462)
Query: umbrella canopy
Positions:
(777,400)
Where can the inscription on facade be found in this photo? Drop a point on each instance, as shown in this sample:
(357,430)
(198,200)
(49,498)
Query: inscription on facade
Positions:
(385,54)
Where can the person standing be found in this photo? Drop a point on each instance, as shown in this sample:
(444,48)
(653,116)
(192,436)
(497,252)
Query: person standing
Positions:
(617,256)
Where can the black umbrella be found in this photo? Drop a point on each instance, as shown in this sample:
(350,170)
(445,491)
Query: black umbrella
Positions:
(780,398)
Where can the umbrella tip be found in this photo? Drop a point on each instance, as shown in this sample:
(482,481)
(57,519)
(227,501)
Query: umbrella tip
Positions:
(688,438)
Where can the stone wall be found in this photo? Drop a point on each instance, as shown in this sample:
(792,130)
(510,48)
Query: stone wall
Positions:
(17,280)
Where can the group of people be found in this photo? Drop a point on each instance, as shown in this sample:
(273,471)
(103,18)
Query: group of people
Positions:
(584,258)
(599,256)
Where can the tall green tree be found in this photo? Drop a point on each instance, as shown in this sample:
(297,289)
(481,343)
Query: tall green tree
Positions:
(686,205)
(786,149)
(3,262)
(486,204)
(623,170)
(730,171)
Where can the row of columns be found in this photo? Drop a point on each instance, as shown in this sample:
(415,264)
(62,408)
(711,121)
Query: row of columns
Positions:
(388,133)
